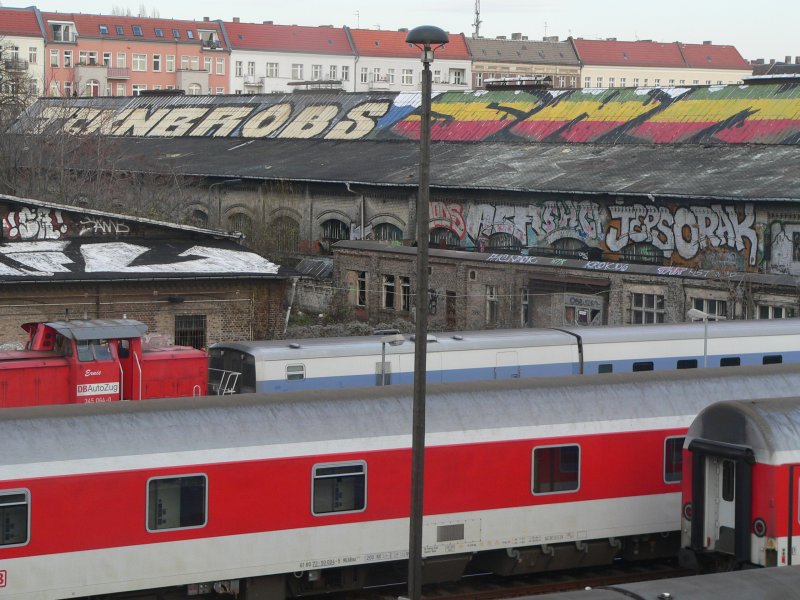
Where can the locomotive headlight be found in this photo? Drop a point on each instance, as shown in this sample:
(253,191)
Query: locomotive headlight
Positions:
(760,527)
(687,511)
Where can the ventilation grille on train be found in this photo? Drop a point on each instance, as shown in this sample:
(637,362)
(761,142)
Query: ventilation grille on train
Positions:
(450,533)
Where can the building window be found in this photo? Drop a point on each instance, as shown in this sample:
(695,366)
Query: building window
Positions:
(345,73)
(156,62)
(62,32)
(390,76)
(207,64)
(220,91)
(389,291)
(556,469)
(767,311)
(159,32)
(54,91)
(120,89)
(190,34)
(524,312)
(220,66)
(297,72)
(673,459)
(14,517)
(137,89)
(716,308)
(251,68)
(364,75)
(176,34)
(332,72)
(491,304)
(238,68)
(53,58)
(176,502)
(611,82)
(358,287)
(103,29)
(478,80)
(139,62)
(170,63)
(623,82)
(33,56)
(386,232)
(67,88)
(316,72)
(647,308)
(194,63)
(796,246)
(405,294)
(635,82)
(587,82)
(92,88)
(119,29)
(671,82)
(137,30)
(107,59)
(190,330)
(334,230)
(339,487)
(68,58)
(272,69)
(407,77)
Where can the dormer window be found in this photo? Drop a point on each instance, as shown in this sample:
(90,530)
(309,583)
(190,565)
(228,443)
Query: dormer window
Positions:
(137,30)
(63,32)
(119,29)
(208,38)
(176,34)
(159,32)
(190,34)
(103,29)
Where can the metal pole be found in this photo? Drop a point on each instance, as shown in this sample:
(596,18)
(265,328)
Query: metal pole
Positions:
(421,343)
(705,343)
(383,363)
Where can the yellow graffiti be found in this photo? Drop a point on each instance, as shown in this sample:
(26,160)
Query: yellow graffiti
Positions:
(706,110)
(475,111)
(612,111)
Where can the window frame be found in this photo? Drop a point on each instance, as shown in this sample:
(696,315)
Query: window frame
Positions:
(666,455)
(137,30)
(348,463)
(176,476)
(27,493)
(534,464)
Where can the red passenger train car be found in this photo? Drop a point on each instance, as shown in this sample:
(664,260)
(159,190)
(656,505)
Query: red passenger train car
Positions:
(88,361)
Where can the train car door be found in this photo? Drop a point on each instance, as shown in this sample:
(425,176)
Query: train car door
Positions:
(506,365)
(720,504)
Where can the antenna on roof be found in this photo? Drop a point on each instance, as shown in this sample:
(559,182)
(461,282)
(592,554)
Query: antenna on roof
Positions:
(477,23)
(358,19)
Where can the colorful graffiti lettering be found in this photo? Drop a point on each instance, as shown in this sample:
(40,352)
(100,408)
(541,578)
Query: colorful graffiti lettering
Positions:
(34,224)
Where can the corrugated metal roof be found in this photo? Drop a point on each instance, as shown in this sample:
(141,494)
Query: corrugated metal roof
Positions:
(522,52)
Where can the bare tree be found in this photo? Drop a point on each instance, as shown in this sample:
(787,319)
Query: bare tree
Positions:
(18,88)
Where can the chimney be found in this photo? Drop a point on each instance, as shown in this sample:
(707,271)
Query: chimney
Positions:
(524,37)
(516,36)
(235,19)
(206,19)
(797,60)
(706,42)
(267,22)
(501,37)
(788,60)
(403,30)
(772,61)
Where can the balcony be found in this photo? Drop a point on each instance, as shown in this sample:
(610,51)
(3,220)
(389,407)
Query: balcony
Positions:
(211,45)
(118,73)
(253,80)
(65,36)
(15,64)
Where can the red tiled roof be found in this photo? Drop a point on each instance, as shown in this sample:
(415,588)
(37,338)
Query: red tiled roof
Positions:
(375,42)
(635,54)
(709,56)
(19,21)
(88,26)
(287,38)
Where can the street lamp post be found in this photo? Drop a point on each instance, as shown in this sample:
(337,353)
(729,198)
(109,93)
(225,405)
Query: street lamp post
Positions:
(224,183)
(395,339)
(429,39)
(698,315)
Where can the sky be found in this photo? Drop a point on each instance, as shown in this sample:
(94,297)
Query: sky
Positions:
(763,29)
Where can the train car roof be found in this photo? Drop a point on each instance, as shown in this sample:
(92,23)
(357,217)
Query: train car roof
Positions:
(99,329)
(775,583)
(366,345)
(456,413)
(682,331)
(770,427)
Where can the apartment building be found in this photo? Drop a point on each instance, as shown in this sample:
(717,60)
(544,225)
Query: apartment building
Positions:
(386,62)
(111,55)
(611,63)
(22,48)
(269,58)
(504,59)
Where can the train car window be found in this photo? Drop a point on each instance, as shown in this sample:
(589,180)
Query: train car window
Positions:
(673,459)
(14,517)
(605,368)
(730,361)
(124,348)
(294,372)
(643,366)
(556,469)
(772,359)
(728,480)
(176,502)
(339,487)
(687,363)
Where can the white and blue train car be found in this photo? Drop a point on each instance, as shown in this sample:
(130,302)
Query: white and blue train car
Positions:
(361,361)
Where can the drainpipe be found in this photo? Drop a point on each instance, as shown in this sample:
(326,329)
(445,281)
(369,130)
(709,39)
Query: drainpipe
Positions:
(291,302)
(362,210)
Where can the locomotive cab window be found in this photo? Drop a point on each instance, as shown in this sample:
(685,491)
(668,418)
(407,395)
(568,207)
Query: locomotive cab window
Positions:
(89,350)
(176,502)
(556,469)
(673,459)
(295,372)
(339,487)
(14,517)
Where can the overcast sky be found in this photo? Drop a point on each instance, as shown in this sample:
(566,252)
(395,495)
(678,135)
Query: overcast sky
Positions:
(759,29)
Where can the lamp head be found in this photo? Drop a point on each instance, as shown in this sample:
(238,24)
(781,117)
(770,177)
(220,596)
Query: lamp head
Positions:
(426,36)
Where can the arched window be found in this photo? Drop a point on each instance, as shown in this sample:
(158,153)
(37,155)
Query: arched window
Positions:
(386,232)
(92,88)
(285,233)
(194,89)
(242,223)
(505,242)
(571,248)
(642,252)
(334,230)
(199,218)
(441,237)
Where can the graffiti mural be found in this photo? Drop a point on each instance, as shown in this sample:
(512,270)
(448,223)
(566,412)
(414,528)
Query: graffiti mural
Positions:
(686,231)
(102,226)
(34,224)
(721,114)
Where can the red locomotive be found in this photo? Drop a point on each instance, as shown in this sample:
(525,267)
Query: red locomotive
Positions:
(87,361)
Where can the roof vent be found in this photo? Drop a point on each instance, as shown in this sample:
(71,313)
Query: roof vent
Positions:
(206,19)
(267,22)
(706,42)
(516,36)
(235,19)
